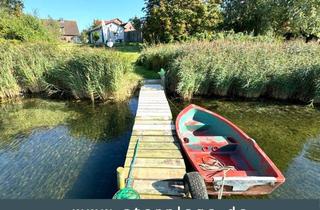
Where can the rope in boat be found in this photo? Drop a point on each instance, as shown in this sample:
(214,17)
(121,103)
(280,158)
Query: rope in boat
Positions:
(222,185)
(216,165)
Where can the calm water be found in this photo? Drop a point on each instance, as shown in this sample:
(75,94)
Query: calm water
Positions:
(51,149)
(289,134)
(60,150)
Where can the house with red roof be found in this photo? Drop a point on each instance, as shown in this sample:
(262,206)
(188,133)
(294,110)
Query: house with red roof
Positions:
(69,30)
(110,30)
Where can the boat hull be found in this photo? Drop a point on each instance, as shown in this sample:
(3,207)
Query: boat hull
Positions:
(227,158)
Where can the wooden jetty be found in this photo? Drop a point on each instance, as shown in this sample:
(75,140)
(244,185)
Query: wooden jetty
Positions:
(159,167)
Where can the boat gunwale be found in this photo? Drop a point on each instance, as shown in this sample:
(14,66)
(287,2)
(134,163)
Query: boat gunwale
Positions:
(278,175)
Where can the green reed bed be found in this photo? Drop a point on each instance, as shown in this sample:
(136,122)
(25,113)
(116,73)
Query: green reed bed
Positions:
(8,83)
(81,73)
(250,69)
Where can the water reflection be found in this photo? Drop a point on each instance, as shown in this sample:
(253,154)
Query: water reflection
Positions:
(303,175)
(312,150)
(62,150)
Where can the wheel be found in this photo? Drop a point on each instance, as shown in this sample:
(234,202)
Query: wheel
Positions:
(195,186)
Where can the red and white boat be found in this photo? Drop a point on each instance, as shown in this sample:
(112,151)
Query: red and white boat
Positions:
(228,160)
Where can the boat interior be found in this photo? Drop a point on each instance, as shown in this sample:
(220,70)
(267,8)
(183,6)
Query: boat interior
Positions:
(212,143)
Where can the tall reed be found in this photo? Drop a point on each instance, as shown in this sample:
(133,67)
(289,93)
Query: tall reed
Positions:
(91,74)
(79,72)
(250,69)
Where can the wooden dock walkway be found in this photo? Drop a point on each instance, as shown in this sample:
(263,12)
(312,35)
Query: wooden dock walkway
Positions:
(159,165)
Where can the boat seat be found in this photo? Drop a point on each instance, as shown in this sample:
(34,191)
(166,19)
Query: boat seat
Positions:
(193,125)
(223,144)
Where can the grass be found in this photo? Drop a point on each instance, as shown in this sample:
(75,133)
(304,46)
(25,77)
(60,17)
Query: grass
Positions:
(249,69)
(131,51)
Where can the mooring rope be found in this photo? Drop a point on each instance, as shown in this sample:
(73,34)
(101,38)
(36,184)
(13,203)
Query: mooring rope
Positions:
(216,165)
(132,165)
(220,193)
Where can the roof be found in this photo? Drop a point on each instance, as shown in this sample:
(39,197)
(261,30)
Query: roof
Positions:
(69,27)
(126,25)
(115,21)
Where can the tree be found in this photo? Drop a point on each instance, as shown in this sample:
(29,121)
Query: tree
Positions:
(95,23)
(296,17)
(169,20)
(84,36)
(136,22)
(304,17)
(247,15)
(95,36)
(13,6)
(52,26)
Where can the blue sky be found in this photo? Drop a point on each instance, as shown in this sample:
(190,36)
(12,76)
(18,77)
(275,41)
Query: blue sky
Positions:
(84,11)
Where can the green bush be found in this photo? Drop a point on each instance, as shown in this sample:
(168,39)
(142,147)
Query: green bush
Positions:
(24,28)
(251,68)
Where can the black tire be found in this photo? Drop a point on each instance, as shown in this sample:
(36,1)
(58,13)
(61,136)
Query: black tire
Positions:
(195,186)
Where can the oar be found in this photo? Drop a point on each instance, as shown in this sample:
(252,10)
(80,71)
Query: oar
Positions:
(128,192)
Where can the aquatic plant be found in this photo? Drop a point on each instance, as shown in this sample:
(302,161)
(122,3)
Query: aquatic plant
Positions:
(89,74)
(79,72)
(8,83)
(250,69)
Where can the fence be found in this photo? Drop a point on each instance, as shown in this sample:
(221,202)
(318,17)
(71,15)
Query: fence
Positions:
(133,36)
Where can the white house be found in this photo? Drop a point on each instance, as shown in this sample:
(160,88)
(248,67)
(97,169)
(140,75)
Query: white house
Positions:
(111,30)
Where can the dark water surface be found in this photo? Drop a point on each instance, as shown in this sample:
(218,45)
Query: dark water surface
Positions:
(289,134)
(51,149)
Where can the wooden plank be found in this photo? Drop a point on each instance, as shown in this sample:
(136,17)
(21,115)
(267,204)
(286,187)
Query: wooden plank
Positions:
(143,153)
(159,166)
(158,97)
(156,163)
(154,127)
(152,81)
(149,106)
(154,103)
(153,107)
(153,100)
(156,146)
(154,138)
(155,112)
(150,114)
(161,98)
(153,122)
(151,87)
(159,187)
(155,173)
(153,118)
(153,133)
(153,94)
